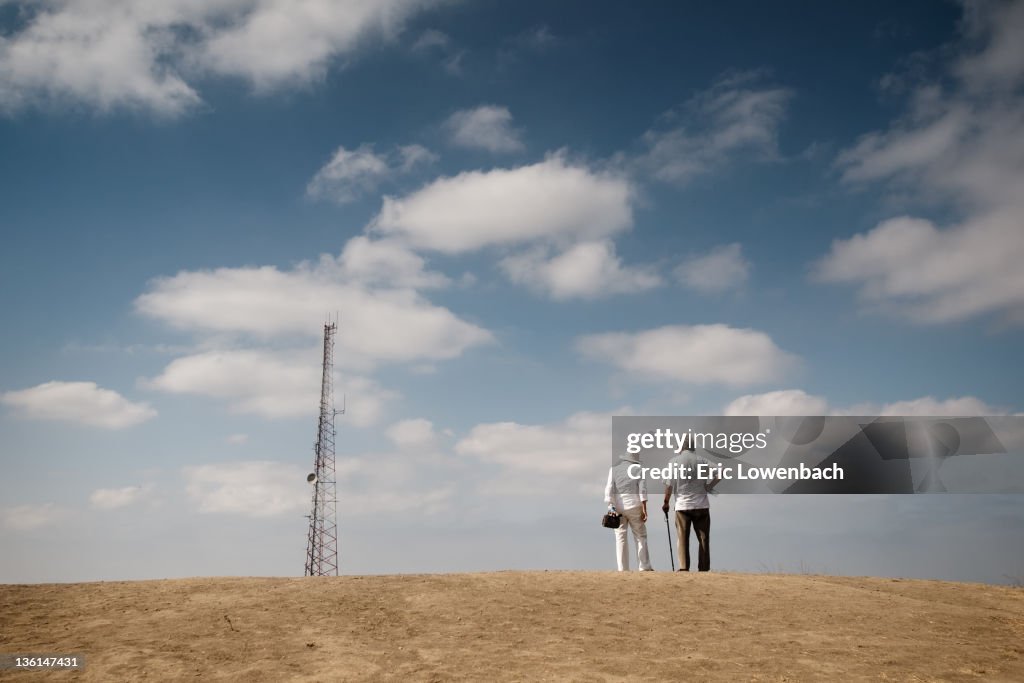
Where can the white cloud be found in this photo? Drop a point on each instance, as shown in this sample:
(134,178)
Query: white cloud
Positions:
(927,406)
(373,284)
(105,54)
(935,275)
(261,382)
(563,215)
(737,115)
(553,200)
(1000,26)
(579,445)
(349,174)
(785,402)
(237,439)
(365,401)
(797,402)
(394,324)
(723,268)
(30,517)
(248,488)
(277,41)
(110,499)
(586,270)
(410,156)
(487,127)
(352,173)
(961,142)
(118,53)
(375,484)
(272,384)
(81,402)
(386,263)
(696,354)
(414,433)
(368,484)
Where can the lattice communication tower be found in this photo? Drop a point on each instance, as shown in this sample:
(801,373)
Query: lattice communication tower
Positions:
(322,542)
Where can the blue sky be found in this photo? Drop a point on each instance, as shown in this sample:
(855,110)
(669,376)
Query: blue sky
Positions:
(529,218)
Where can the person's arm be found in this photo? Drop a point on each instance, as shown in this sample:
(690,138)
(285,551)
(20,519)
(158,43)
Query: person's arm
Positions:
(643,500)
(609,488)
(713,483)
(668,494)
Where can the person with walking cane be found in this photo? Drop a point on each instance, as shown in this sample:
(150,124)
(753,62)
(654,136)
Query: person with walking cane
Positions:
(628,497)
(692,508)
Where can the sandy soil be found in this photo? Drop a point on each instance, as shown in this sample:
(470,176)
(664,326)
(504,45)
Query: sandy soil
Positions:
(564,626)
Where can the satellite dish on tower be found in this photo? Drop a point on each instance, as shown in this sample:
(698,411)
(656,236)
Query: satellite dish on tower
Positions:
(311,478)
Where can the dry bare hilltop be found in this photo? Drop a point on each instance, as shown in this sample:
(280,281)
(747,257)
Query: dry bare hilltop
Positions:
(559,626)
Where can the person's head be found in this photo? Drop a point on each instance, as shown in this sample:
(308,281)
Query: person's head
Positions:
(630,457)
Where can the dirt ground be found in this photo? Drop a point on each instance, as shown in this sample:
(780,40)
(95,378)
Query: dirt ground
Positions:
(557,626)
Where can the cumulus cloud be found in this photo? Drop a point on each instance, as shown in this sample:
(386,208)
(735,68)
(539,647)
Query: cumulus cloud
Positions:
(280,40)
(785,402)
(30,517)
(961,141)
(721,269)
(267,383)
(695,354)
(797,402)
(368,484)
(579,445)
(557,218)
(270,383)
(386,263)
(999,25)
(928,406)
(377,483)
(380,324)
(413,433)
(252,317)
(249,488)
(80,402)
(739,115)
(584,271)
(554,200)
(365,400)
(487,127)
(122,54)
(110,499)
(931,274)
(352,173)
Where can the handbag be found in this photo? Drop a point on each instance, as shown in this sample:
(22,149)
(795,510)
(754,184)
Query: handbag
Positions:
(611,521)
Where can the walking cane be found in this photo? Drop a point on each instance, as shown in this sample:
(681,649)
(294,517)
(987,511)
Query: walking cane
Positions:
(671,554)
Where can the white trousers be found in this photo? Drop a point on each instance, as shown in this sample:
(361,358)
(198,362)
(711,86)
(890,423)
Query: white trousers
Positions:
(631,520)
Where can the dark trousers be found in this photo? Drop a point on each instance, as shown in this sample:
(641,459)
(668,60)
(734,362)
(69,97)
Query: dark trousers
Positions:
(700,520)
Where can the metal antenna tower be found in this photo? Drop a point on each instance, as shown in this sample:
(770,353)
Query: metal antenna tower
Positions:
(322,542)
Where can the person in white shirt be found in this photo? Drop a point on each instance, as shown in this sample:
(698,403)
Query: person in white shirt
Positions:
(692,508)
(628,496)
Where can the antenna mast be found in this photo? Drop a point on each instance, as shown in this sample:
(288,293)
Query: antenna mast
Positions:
(322,542)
